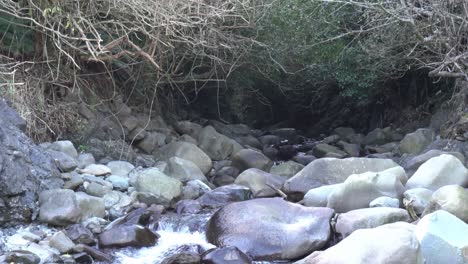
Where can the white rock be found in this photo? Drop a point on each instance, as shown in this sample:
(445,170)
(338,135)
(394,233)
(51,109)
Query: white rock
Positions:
(453,199)
(438,172)
(385,201)
(120,168)
(318,197)
(443,238)
(419,198)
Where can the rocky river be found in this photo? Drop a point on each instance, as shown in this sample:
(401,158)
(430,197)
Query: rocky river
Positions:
(220,193)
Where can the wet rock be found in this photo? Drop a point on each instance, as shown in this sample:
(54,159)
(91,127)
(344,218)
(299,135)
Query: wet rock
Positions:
(226,255)
(328,171)
(22,256)
(194,189)
(183,170)
(225,195)
(439,171)
(262,184)
(157,183)
(185,151)
(385,201)
(80,234)
(93,252)
(286,169)
(443,238)
(182,258)
(128,235)
(286,152)
(120,168)
(61,242)
(419,199)
(453,199)
(289,134)
(270,228)
(44,252)
(188,207)
(416,142)
(399,245)
(360,189)
(351,221)
(247,158)
(304,159)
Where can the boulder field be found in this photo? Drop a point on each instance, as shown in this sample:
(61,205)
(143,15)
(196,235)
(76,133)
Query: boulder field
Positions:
(270,195)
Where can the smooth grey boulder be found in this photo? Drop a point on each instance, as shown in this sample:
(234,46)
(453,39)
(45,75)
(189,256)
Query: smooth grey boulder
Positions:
(155,182)
(119,182)
(438,172)
(286,169)
(318,197)
(90,206)
(85,159)
(453,199)
(185,151)
(248,158)
(262,184)
(360,189)
(120,168)
(351,221)
(391,243)
(151,142)
(443,238)
(25,170)
(189,128)
(183,170)
(328,171)
(66,147)
(353,150)
(194,189)
(378,136)
(216,145)
(270,228)
(419,199)
(416,142)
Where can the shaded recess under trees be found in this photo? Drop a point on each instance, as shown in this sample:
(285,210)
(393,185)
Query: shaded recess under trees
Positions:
(319,63)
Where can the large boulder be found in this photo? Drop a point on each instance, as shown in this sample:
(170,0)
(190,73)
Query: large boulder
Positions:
(328,171)
(64,146)
(120,168)
(262,184)
(351,221)
(270,228)
(361,189)
(64,162)
(318,197)
(453,199)
(379,136)
(155,182)
(439,171)
(443,238)
(25,170)
(185,151)
(64,207)
(416,142)
(412,163)
(216,145)
(248,158)
(227,255)
(391,243)
(183,170)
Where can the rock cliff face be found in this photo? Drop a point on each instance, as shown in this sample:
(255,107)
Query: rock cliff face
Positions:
(25,170)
